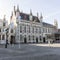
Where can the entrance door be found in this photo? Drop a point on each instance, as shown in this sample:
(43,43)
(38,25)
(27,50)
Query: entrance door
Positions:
(12,40)
(36,40)
(25,40)
(44,39)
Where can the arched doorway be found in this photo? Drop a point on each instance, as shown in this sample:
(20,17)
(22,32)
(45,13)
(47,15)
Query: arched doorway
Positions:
(44,39)
(36,39)
(25,39)
(12,39)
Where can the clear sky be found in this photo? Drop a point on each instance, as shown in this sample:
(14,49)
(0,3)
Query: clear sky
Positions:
(50,8)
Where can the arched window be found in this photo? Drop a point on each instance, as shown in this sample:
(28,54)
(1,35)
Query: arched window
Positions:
(25,29)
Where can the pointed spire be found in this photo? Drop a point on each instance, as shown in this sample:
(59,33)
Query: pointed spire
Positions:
(37,15)
(56,23)
(30,12)
(41,17)
(18,8)
(31,16)
(14,8)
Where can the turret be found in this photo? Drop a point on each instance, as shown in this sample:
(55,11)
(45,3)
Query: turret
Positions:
(37,15)
(41,18)
(18,8)
(55,23)
(18,17)
(17,12)
(14,11)
(31,16)
(4,20)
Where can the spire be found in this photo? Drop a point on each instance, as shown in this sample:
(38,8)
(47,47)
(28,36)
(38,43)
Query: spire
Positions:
(31,17)
(30,12)
(14,8)
(37,15)
(41,17)
(18,8)
(56,23)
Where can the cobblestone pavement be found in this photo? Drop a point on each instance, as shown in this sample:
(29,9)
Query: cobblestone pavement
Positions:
(29,52)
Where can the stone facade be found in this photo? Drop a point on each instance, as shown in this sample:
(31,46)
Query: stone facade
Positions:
(25,28)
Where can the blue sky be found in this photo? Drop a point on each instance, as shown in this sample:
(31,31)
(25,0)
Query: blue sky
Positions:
(50,9)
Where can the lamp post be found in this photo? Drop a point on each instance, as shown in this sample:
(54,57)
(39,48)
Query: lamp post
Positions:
(18,25)
(41,18)
(19,37)
(6,38)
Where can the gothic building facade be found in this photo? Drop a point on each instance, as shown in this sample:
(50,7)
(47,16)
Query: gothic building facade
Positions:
(26,28)
(31,29)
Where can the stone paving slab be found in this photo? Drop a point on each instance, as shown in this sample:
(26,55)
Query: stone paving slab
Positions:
(29,52)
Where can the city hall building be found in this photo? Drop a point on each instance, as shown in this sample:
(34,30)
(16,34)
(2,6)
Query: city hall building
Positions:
(26,28)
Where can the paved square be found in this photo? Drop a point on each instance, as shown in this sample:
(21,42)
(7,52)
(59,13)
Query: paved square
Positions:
(30,52)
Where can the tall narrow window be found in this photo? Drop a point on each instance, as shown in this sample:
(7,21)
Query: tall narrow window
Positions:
(20,29)
(29,29)
(32,29)
(3,37)
(40,38)
(25,29)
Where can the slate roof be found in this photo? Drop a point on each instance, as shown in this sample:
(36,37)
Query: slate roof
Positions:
(48,25)
(25,16)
